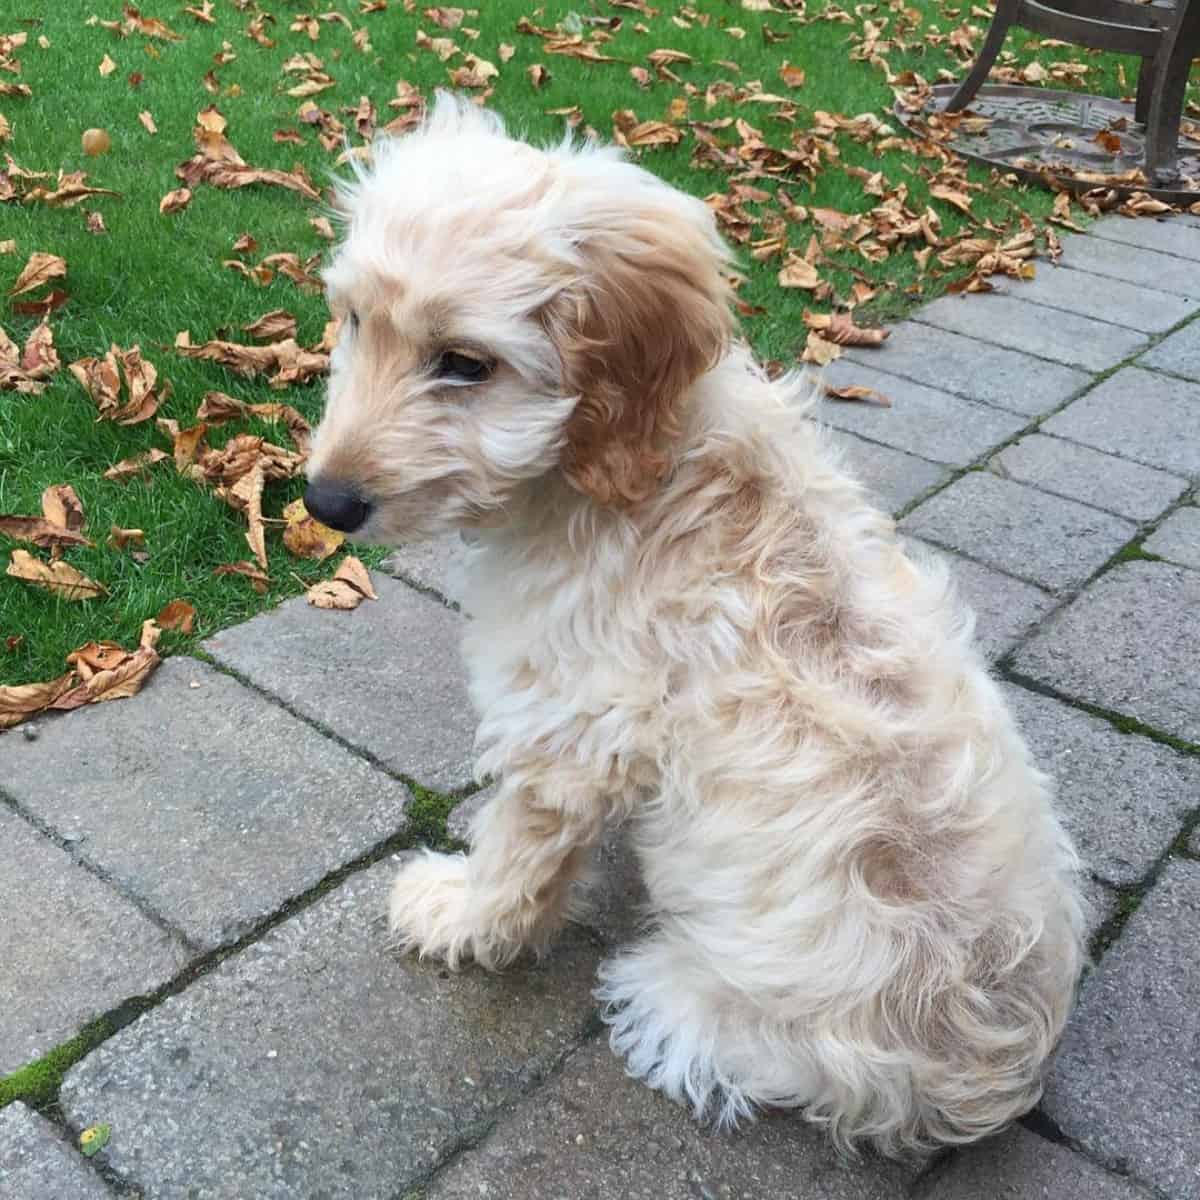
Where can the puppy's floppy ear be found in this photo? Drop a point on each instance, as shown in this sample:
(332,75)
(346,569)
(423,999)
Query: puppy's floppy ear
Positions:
(648,315)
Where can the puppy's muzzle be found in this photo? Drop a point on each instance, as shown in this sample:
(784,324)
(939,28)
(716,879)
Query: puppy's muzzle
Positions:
(336,504)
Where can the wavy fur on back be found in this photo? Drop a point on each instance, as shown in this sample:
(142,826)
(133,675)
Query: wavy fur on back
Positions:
(687,616)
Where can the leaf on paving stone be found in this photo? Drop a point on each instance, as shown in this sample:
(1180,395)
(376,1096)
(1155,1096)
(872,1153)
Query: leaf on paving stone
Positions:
(259,580)
(273,326)
(819,350)
(138,464)
(62,507)
(119,539)
(175,201)
(305,536)
(58,577)
(123,675)
(857,392)
(347,589)
(22,701)
(177,615)
(39,270)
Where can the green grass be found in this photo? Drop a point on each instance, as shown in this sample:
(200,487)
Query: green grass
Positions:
(37,1083)
(152,275)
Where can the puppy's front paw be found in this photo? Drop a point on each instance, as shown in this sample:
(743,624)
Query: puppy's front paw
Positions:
(427,912)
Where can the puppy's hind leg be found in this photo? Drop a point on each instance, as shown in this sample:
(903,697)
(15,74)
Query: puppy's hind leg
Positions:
(685,1031)
(528,845)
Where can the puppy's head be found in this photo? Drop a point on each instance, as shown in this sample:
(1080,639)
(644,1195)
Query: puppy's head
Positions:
(508,313)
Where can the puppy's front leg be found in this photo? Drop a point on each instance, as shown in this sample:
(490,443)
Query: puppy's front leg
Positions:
(528,845)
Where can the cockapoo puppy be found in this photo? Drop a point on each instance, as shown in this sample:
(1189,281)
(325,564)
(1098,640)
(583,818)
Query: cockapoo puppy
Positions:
(687,616)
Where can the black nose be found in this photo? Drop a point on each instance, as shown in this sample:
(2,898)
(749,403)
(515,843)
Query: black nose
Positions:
(336,505)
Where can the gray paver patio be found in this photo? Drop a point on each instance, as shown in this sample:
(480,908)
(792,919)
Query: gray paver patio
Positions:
(1137,414)
(1179,353)
(594,1134)
(36,1164)
(1022,1166)
(1174,237)
(387,677)
(892,478)
(1123,798)
(1139,308)
(429,566)
(1146,662)
(976,370)
(921,420)
(1045,539)
(1089,476)
(71,947)
(317,1063)
(1125,1084)
(1177,539)
(206,800)
(1048,333)
(1132,264)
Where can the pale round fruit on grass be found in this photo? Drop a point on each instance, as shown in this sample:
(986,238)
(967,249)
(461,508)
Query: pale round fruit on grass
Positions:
(96,141)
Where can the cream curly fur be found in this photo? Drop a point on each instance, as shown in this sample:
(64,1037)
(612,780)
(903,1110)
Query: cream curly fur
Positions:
(686,615)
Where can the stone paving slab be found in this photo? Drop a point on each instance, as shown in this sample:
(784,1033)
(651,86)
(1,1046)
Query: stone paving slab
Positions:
(1081,473)
(1061,337)
(1005,608)
(36,1164)
(1177,539)
(71,948)
(1102,903)
(1137,414)
(209,802)
(431,566)
(1022,1166)
(974,369)
(932,424)
(1123,798)
(387,677)
(1131,264)
(1179,353)
(594,1134)
(1125,1084)
(1128,644)
(1127,304)
(1045,539)
(892,478)
(317,1063)
(1169,236)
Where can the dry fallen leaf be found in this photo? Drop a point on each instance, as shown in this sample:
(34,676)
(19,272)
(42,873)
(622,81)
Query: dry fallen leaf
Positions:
(99,377)
(305,536)
(107,66)
(25,700)
(347,589)
(62,507)
(138,464)
(39,532)
(175,201)
(58,577)
(122,674)
(857,392)
(39,270)
(840,329)
(273,326)
(259,580)
(147,121)
(177,615)
(799,273)
(119,538)
(323,227)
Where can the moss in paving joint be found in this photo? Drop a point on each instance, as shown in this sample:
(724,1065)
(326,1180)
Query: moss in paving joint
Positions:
(37,1083)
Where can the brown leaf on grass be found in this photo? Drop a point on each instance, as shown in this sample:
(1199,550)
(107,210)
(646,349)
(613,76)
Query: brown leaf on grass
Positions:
(175,201)
(119,539)
(100,379)
(62,507)
(203,13)
(629,131)
(49,303)
(39,270)
(138,464)
(8,246)
(347,589)
(259,580)
(505,51)
(799,273)
(150,27)
(70,188)
(250,489)
(245,245)
(445,18)
(13,644)
(539,76)
(123,678)
(323,227)
(177,615)
(216,408)
(840,329)
(306,537)
(959,200)
(39,359)
(20,702)
(58,577)
(792,76)
(273,326)
(107,66)
(39,532)
(147,121)
(185,443)
(857,391)
(95,223)
(820,350)
(291,362)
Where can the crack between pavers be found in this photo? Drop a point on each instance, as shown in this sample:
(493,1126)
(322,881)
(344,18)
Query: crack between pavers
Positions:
(140,902)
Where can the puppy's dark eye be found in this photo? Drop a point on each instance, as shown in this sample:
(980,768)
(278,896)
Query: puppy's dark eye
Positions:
(462,367)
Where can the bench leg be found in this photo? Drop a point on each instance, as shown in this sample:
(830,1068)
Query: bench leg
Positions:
(1173,62)
(1006,13)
